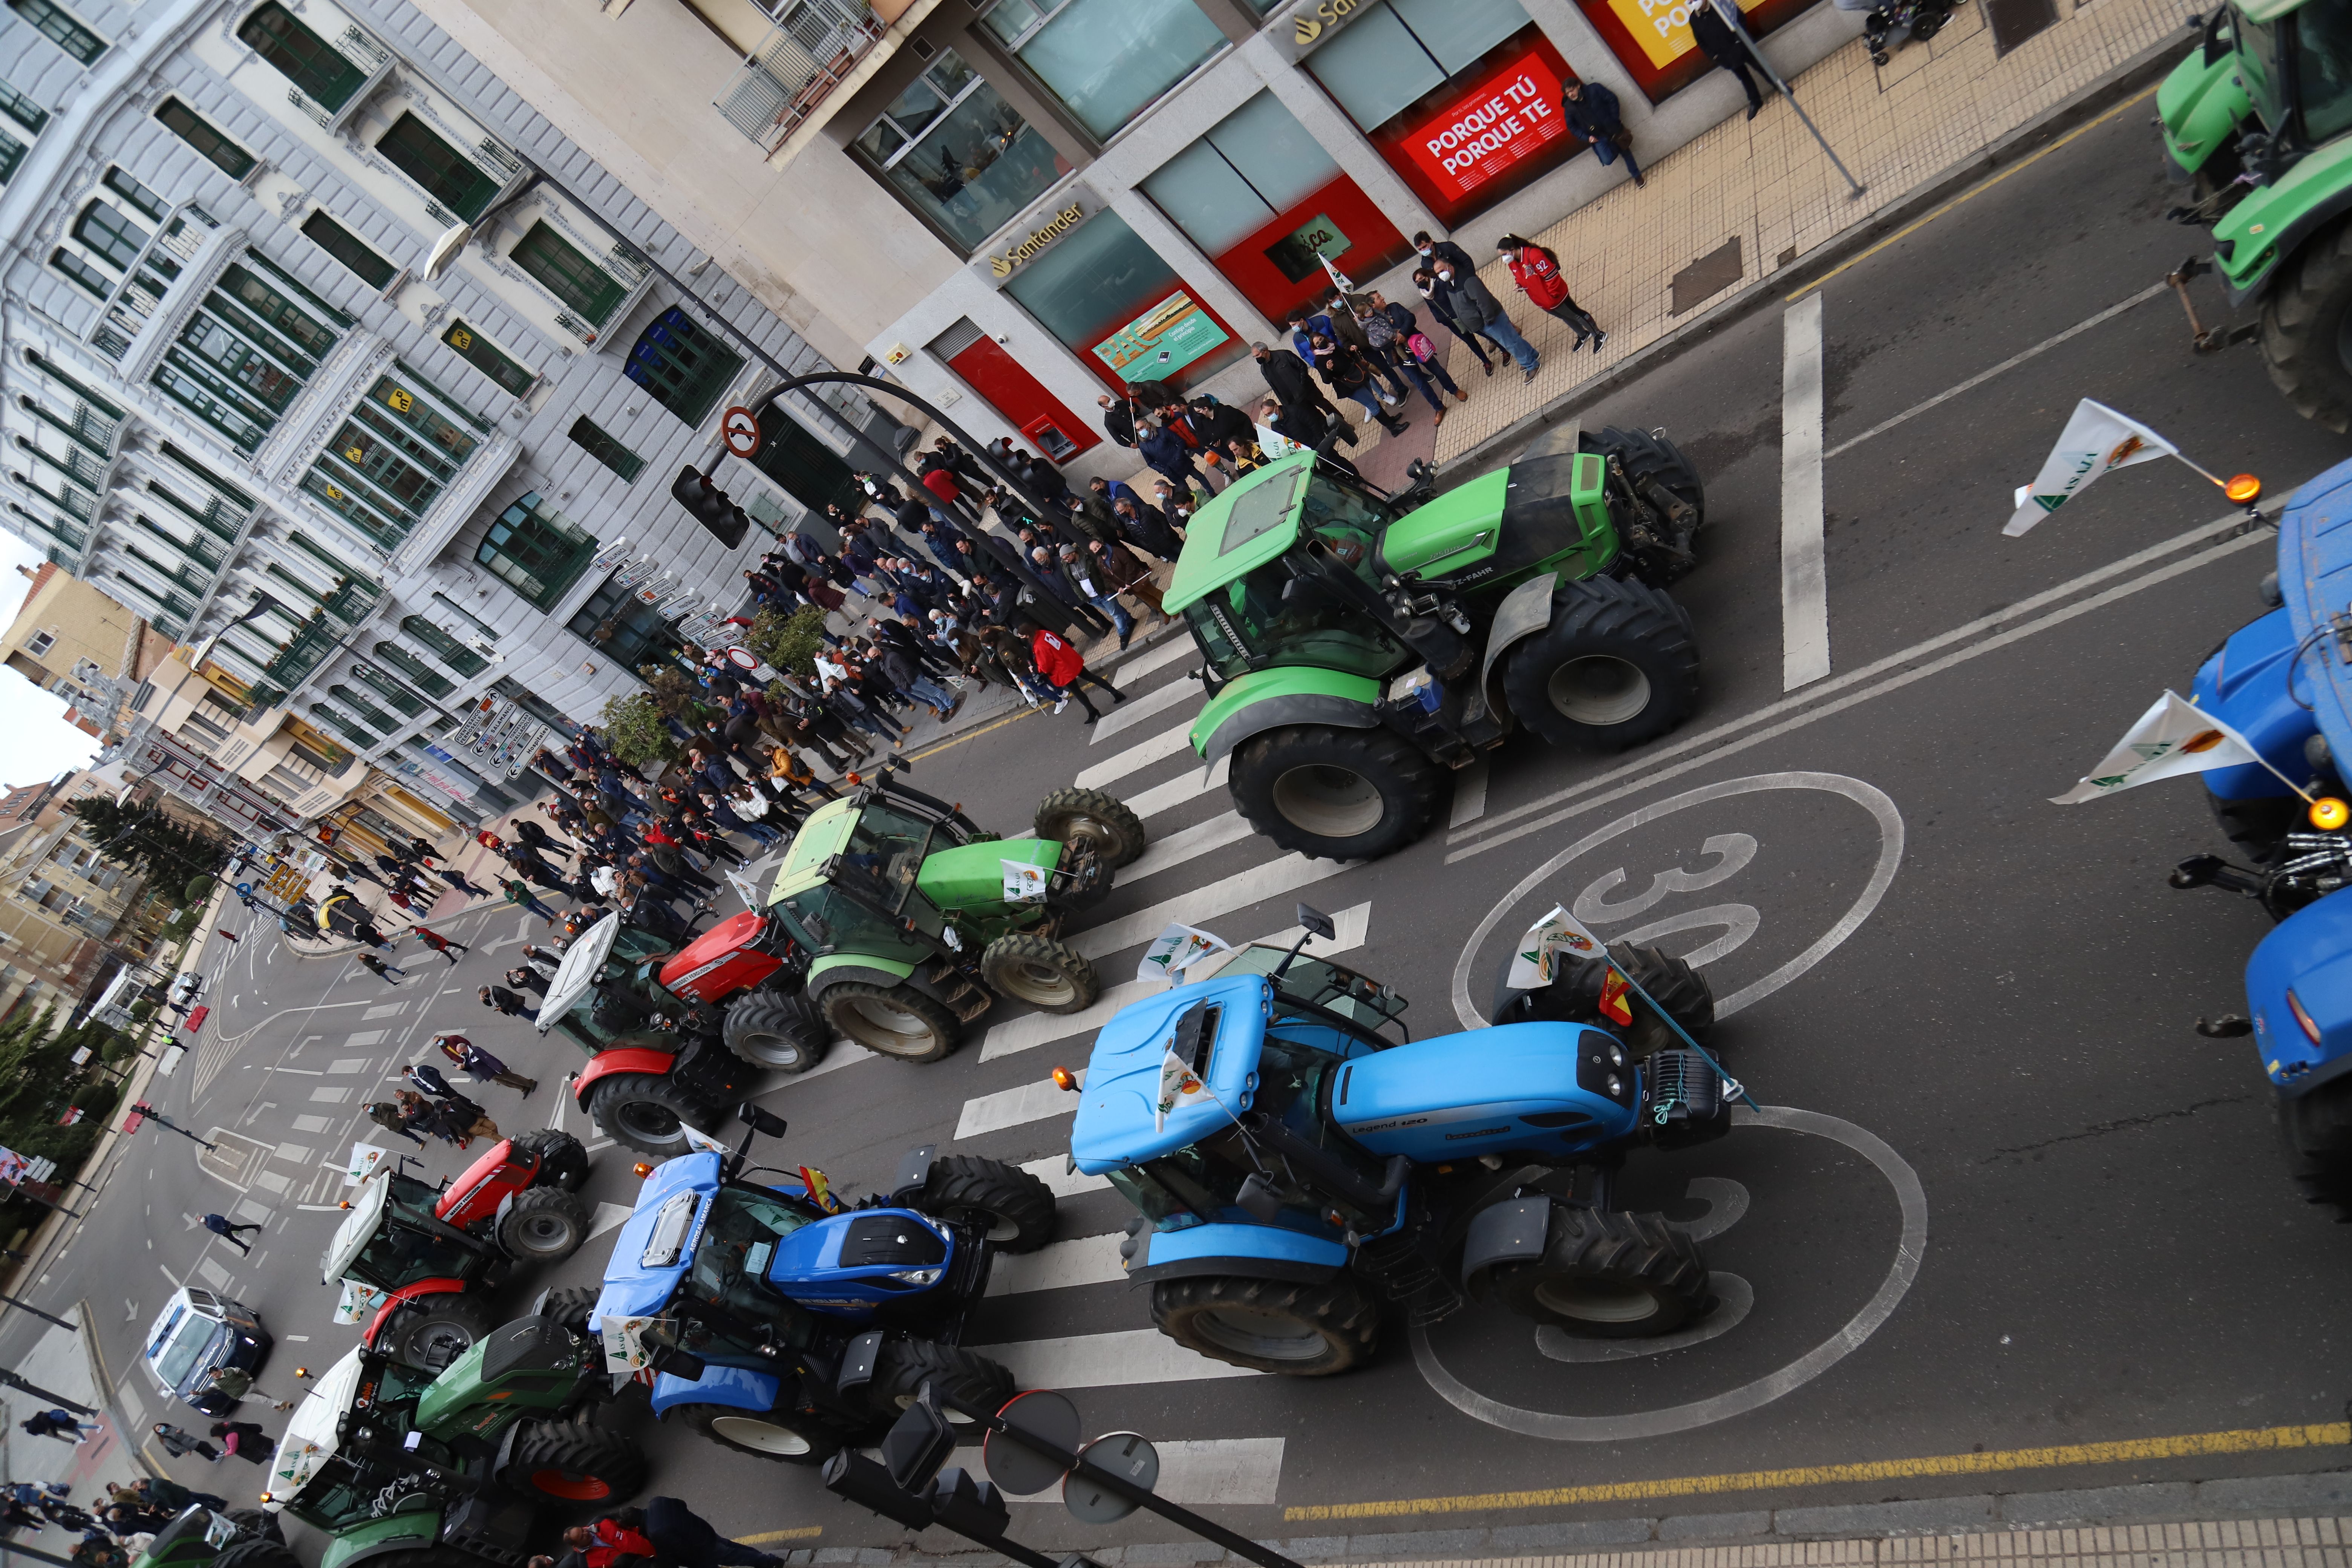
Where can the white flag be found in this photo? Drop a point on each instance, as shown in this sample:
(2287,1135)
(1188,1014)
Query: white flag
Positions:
(1024,883)
(1535,962)
(2172,738)
(365,1158)
(1174,951)
(702,1142)
(625,1351)
(2097,440)
(357,1302)
(1179,1086)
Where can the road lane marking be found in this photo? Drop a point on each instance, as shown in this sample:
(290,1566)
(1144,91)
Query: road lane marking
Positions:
(385,1010)
(2136,1450)
(1203,904)
(1185,844)
(1141,755)
(798,1532)
(609,1215)
(1804,582)
(1088,1260)
(1153,660)
(1023,1103)
(1136,709)
(1187,785)
(1055,1170)
(1106,1361)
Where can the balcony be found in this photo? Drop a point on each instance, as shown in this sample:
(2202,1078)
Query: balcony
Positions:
(815,45)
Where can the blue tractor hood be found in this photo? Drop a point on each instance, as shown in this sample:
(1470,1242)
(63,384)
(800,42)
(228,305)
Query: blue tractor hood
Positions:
(656,1244)
(1114,1125)
(2315,559)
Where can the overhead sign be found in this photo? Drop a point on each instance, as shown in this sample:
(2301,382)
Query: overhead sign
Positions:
(1039,238)
(1510,116)
(1162,341)
(741,429)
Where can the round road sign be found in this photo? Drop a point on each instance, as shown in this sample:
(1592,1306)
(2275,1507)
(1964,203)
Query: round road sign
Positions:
(741,429)
(1127,1455)
(1021,1471)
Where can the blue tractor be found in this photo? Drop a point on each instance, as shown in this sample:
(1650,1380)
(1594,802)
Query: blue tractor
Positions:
(778,1323)
(1302,1166)
(2285,683)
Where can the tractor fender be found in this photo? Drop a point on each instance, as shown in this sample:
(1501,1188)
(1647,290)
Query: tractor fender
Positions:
(1507,1232)
(440,1286)
(1276,699)
(832,968)
(2322,170)
(486,1184)
(2251,684)
(1525,611)
(1254,1251)
(627,1059)
(735,1385)
(2310,953)
(382,1537)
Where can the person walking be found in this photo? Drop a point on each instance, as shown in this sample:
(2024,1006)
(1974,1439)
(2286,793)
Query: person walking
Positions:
(221,1225)
(498,999)
(1116,569)
(1720,42)
(1349,374)
(386,1115)
(1473,308)
(58,1425)
(1168,453)
(1066,668)
(457,879)
(1536,271)
(1592,113)
(245,1439)
(519,893)
(224,935)
(480,1066)
(392,974)
(180,1443)
(447,947)
(1079,571)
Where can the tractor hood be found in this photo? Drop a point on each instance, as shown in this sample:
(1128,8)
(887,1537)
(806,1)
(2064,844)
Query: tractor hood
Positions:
(313,1430)
(584,961)
(1452,530)
(359,1225)
(971,876)
(1118,1124)
(656,1244)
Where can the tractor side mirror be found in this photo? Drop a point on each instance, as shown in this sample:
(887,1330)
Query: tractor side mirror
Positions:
(1259,1198)
(1315,922)
(765,1122)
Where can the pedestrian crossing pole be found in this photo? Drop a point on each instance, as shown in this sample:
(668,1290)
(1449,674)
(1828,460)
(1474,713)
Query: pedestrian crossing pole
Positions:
(1729,11)
(29,1307)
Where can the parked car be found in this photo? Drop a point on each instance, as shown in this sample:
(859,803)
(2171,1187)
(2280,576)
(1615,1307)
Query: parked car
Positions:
(206,1350)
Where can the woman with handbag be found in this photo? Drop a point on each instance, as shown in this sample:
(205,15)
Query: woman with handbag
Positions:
(1416,356)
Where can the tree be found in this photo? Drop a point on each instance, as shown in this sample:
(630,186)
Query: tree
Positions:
(199,889)
(143,839)
(790,642)
(31,1063)
(633,723)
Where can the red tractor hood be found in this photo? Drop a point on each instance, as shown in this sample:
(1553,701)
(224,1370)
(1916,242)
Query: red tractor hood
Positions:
(724,960)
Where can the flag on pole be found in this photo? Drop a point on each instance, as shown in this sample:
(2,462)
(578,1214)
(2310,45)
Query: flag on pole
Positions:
(2097,440)
(1339,278)
(1535,963)
(1179,1086)
(2172,738)
(1175,950)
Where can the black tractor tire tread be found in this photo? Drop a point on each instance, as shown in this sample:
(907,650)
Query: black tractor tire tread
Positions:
(1682,992)
(904,1365)
(1028,947)
(2300,321)
(2316,1127)
(967,1182)
(946,1028)
(2257,825)
(1076,800)
(563,1159)
(554,1202)
(579,1447)
(1638,1246)
(1348,1318)
(607,1095)
(260,1521)
(1646,454)
(570,1306)
(789,1013)
(258,1553)
(824,1442)
(468,1312)
(1607,614)
(1261,760)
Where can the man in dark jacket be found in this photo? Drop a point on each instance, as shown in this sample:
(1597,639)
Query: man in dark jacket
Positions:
(1146,527)
(1221,422)
(1475,309)
(1287,377)
(1591,111)
(1117,419)
(1167,453)
(1719,43)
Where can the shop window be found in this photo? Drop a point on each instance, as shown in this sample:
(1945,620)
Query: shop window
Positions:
(392,456)
(108,236)
(534,549)
(58,25)
(1111,301)
(958,153)
(306,59)
(415,668)
(1652,39)
(486,357)
(557,267)
(606,448)
(1266,204)
(348,249)
(446,174)
(223,153)
(22,109)
(1106,59)
(616,624)
(445,649)
(685,367)
(1460,97)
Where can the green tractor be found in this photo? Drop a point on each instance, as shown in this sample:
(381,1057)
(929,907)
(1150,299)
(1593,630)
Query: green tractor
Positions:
(2254,122)
(404,1468)
(1361,645)
(200,1537)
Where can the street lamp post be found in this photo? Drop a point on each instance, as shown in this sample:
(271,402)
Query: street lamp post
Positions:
(29,1307)
(149,1113)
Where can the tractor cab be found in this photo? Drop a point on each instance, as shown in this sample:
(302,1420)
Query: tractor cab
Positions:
(2271,82)
(392,1238)
(607,986)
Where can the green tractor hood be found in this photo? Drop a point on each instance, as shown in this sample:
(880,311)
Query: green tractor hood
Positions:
(532,1364)
(2273,219)
(2198,107)
(971,876)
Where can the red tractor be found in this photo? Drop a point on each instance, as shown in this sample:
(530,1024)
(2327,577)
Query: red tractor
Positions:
(414,1261)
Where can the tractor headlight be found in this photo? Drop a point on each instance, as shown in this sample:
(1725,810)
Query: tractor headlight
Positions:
(918,1276)
(1616,1059)
(1616,1086)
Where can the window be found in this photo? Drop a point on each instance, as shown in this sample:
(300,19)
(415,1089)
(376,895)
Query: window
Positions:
(446,649)
(958,153)
(415,668)
(348,249)
(616,624)
(83,273)
(247,350)
(416,150)
(560,269)
(391,691)
(605,449)
(40,643)
(535,551)
(108,234)
(308,60)
(1106,59)
(12,152)
(22,109)
(685,367)
(59,27)
(485,356)
(226,155)
(390,461)
(270,306)
(137,194)
(809,471)
(1112,301)
(2323,74)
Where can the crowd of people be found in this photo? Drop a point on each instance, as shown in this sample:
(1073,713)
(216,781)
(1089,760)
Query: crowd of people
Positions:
(116,1532)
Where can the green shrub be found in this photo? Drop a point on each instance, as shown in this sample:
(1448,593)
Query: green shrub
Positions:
(634,724)
(199,889)
(142,1009)
(790,642)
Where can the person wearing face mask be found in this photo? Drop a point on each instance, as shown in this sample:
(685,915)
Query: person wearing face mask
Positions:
(1475,309)
(1537,272)
(1426,281)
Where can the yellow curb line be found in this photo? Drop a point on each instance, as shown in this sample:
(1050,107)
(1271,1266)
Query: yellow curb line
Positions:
(2252,1440)
(798,1532)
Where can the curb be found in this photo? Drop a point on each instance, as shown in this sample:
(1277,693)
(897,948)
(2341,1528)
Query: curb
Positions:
(96,1354)
(2116,85)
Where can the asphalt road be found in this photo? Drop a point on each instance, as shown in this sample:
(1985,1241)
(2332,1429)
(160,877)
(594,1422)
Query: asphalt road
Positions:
(2001,1196)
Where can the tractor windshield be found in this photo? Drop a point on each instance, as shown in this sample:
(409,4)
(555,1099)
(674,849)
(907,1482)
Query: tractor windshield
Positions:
(2258,67)
(1319,984)
(2323,71)
(732,1259)
(403,1249)
(1272,617)
(884,855)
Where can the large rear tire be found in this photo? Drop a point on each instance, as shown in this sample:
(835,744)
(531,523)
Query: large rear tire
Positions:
(259,1522)
(2306,334)
(1005,1204)
(892,1020)
(905,1365)
(562,1159)
(1681,991)
(257,1555)
(1051,976)
(430,1333)
(780,1436)
(570,1306)
(1101,818)
(544,1224)
(1339,794)
(2317,1129)
(571,1462)
(1648,460)
(775,1030)
(1616,666)
(1608,1275)
(645,1111)
(1270,1325)
(2258,825)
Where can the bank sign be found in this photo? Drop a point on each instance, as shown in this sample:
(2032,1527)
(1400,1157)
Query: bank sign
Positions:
(1510,115)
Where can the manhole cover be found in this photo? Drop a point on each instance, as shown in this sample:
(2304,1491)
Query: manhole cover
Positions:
(1711,274)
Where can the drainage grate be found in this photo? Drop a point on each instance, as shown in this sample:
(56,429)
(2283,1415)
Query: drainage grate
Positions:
(2014,21)
(1708,275)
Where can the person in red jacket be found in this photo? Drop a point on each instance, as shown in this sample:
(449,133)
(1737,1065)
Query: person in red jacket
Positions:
(1537,272)
(1060,663)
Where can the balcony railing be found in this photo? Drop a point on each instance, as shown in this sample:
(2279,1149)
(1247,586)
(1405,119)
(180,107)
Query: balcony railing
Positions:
(812,49)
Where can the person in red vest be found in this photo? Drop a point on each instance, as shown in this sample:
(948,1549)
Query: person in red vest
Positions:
(1537,272)
(1062,665)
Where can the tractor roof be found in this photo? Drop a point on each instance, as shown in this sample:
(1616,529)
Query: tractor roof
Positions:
(2268,10)
(576,976)
(822,836)
(314,1429)
(358,1225)
(1118,1122)
(654,1245)
(1252,524)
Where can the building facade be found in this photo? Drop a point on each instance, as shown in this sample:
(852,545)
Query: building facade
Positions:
(65,910)
(402,514)
(1016,205)
(71,641)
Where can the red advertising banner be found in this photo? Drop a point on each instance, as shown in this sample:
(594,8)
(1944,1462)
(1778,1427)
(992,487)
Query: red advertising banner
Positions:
(1511,114)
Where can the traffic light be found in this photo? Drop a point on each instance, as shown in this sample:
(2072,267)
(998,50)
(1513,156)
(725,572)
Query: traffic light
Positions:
(709,506)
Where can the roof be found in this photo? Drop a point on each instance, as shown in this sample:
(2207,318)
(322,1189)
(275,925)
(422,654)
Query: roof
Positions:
(40,579)
(824,835)
(2268,10)
(359,1225)
(1260,514)
(1116,1117)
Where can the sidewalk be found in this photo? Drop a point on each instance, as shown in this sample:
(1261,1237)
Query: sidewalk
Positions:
(61,1363)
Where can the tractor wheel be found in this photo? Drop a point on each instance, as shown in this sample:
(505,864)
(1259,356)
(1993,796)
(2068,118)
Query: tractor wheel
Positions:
(1050,976)
(257,1555)
(2258,825)
(2307,330)
(2317,1129)
(1605,1275)
(782,1032)
(892,1020)
(1645,457)
(645,1111)
(571,1462)
(1095,816)
(563,1159)
(905,1365)
(1334,794)
(1272,1325)
(1674,986)
(1616,666)
(430,1333)
(570,1306)
(786,1436)
(544,1224)
(257,1521)
(1005,1204)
